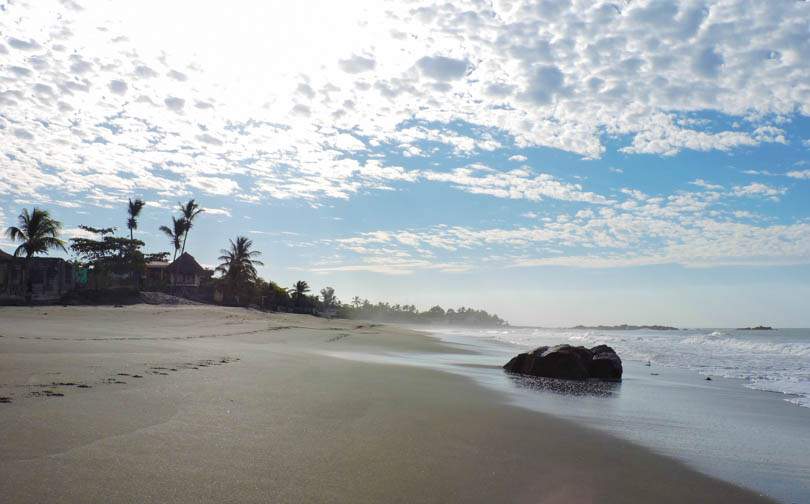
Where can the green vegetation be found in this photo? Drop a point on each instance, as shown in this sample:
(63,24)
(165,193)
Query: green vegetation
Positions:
(134,210)
(110,256)
(175,233)
(38,232)
(189,211)
(409,314)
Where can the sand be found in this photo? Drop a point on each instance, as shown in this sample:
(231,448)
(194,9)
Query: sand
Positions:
(208,404)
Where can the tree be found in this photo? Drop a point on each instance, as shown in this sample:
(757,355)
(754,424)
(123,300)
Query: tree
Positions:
(110,254)
(238,262)
(134,210)
(356,301)
(328,296)
(175,233)
(299,289)
(38,232)
(98,231)
(189,211)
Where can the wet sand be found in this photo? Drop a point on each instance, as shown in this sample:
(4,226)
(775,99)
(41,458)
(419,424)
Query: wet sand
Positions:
(203,404)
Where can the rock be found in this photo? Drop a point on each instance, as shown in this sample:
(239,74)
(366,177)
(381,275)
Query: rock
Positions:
(569,363)
(606,364)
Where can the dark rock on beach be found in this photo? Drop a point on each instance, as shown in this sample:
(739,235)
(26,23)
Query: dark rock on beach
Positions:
(569,363)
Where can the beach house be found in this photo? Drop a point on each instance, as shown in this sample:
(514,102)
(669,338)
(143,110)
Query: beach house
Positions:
(50,278)
(184,273)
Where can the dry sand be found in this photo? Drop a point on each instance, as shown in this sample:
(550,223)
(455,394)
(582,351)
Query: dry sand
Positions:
(206,404)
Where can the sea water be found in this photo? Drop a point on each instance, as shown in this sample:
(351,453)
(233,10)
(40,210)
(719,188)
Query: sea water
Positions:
(774,361)
(749,425)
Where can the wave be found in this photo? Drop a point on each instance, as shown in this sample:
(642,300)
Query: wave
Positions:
(776,361)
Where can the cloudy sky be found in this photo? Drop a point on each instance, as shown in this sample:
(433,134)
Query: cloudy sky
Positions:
(554,161)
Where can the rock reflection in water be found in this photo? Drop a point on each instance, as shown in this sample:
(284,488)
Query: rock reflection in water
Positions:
(591,388)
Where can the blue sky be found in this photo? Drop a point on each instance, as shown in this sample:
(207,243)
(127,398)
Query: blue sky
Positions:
(554,162)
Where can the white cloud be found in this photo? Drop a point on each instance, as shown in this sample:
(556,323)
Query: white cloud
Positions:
(174,103)
(118,87)
(706,185)
(214,185)
(518,158)
(218,211)
(799,174)
(442,68)
(758,189)
(357,64)
(470,76)
(513,184)
(672,230)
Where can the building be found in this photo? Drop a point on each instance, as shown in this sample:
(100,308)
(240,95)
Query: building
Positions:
(156,276)
(50,279)
(185,271)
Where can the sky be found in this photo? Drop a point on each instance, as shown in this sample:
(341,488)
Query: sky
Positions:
(556,162)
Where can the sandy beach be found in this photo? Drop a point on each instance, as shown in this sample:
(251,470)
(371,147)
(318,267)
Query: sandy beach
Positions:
(208,404)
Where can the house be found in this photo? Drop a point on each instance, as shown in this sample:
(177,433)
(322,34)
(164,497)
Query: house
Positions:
(50,278)
(156,275)
(185,271)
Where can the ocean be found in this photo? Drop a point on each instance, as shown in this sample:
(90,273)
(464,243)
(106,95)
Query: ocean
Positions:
(774,361)
(749,425)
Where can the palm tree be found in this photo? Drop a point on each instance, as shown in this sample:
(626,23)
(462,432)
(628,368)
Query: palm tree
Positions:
(38,232)
(299,289)
(190,210)
(238,261)
(134,210)
(175,233)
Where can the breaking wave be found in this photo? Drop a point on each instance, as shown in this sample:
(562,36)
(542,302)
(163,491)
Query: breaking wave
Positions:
(775,361)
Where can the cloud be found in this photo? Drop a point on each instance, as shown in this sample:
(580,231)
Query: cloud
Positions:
(514,184)
(23,134)
(442,68)
(706,185)
(118,87)
(214,185)
(357,64)
(24,45)
(799,174)
(218,211)
(707,62)
(545,84)
(174,104)
(518,158)
(668,230)
(758,189)
(145,72)
(464,80)
(19,71)
(178,76)
(209,139)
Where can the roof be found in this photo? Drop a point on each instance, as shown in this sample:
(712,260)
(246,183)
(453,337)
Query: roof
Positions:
(4,256)
(157,264)
(185,265)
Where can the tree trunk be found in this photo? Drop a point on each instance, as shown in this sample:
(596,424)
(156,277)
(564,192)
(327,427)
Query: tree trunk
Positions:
(29,284)
(183,251)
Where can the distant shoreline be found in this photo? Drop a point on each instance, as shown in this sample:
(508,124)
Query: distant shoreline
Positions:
(625,327)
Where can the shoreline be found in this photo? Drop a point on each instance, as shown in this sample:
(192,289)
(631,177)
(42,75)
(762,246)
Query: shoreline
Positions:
(278,420)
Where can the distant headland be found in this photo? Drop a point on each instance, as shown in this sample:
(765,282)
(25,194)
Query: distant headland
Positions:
(626,327)
(757,328)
